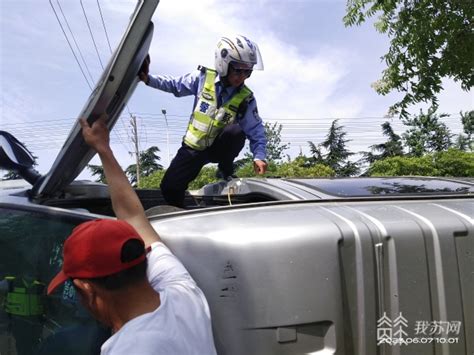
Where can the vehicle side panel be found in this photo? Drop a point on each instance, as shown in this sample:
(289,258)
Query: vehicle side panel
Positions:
(298,278)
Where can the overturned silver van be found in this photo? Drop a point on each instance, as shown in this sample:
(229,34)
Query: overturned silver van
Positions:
(390,276)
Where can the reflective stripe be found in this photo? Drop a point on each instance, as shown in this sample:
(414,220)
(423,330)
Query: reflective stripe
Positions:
(201,126)
(191,138)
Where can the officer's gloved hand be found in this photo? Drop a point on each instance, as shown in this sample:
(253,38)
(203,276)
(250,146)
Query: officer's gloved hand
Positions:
(143,73)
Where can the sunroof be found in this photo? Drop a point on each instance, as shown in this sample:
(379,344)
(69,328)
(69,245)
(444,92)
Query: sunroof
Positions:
(354,187)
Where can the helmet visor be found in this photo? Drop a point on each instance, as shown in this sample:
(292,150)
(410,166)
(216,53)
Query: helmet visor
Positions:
(255,64)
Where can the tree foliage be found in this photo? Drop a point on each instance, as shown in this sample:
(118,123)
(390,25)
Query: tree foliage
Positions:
(333,152)
(452,162)
(97,170)
(430,40)
(247,170)
(403,166)
(465,140)
(426,133)
(207,175)
(275,147)
(391,148)
(298,169)
(152,181)
(148,164)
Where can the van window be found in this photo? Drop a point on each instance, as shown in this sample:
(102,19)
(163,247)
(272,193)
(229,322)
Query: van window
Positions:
(31,245)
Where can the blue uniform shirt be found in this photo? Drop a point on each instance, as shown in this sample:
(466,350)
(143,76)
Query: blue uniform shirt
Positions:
(192,83)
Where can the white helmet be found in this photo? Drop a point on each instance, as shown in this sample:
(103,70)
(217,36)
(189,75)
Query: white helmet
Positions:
(237,50)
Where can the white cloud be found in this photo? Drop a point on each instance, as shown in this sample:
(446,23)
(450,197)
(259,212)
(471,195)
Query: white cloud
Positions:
(295,84)
(292,84)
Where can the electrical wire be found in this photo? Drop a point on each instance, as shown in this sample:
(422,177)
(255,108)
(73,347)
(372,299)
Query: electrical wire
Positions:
(75,42)
(69,43)
(103,24)
(92,35)
(51,133)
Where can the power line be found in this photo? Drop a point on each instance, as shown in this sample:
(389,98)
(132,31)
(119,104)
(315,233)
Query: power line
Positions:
(70,46)
(92,35)
(103,24)
(75,42)
(266,119)
(77,46)
(51,133)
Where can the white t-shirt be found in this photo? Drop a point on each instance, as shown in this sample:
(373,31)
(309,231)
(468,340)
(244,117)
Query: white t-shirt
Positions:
(181,325)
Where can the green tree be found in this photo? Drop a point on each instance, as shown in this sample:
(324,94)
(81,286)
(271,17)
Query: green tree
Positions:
(334,153)
(465,140)
(298,169)
(153,180)
(206,176)
(97,170)
(247,170)
(391,148)
(403,166)
(426,133)
(429,40)
(452,162)
(275,148)
(148,164)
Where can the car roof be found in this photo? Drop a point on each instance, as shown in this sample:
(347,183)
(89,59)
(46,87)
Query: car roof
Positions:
(336,188)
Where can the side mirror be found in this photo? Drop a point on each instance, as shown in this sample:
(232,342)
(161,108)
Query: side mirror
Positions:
(14,156)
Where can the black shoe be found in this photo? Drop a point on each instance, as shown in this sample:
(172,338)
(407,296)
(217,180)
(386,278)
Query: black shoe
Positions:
(222,176)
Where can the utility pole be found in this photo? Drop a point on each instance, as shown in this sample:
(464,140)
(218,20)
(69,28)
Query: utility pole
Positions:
(133,122)
(163,111)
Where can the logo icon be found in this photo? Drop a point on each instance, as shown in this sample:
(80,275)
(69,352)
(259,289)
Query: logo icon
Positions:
(207,96)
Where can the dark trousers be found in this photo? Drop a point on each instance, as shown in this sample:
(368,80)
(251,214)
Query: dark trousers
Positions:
(188,162)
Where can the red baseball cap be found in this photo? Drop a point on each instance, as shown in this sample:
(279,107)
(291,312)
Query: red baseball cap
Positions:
(94,250)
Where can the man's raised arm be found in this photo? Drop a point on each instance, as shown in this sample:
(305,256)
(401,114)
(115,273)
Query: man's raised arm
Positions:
(125,201)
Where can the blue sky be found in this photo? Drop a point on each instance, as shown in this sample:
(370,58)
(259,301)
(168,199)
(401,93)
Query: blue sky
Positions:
(316,70)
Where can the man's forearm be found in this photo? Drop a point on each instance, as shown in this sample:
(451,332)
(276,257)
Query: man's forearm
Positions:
(125,201)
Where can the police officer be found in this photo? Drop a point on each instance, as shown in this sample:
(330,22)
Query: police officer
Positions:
(24,305)
(225,113)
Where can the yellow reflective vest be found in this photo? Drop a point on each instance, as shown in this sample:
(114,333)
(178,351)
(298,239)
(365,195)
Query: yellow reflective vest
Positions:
(24,299)
(207,120)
